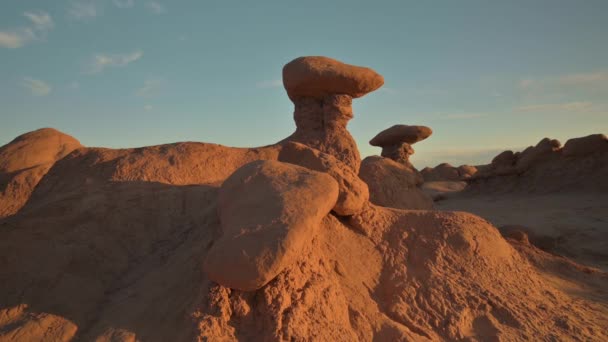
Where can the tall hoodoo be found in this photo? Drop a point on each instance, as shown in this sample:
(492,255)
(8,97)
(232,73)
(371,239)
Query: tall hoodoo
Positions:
(322,90)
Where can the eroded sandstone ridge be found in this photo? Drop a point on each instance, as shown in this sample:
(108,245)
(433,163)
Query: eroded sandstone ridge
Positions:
(203,242)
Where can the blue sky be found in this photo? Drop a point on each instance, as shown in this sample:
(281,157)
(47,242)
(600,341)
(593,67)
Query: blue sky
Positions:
(485,75)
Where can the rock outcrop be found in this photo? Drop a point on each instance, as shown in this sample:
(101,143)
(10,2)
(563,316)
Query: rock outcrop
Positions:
(581,165)
(583,146)
(392,184)
(397,141)
(447,172)
(354,192)
(269,211)
(322,90)
(25,160)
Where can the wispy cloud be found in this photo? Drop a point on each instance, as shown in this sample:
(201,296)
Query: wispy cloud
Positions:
(148,107)
(464,116)
(574,107)
(124,3)
(155,7)
(592,78)
(102,61)
(83,11)
(269,84)
(588,82)
(150,88)
(41,23)
(36,87)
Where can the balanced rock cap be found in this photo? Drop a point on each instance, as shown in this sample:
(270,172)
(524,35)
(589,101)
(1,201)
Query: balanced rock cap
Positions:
(399,134)
(317,76)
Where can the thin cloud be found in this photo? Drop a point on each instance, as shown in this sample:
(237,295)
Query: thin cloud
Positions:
(575,107)
(150,88)
(148,107)
(83,11)
(464,116)
(588,82)
(102,61)
(36,87)
(124,3)
(269,84)
(41,23)
(155,7)
(598,77)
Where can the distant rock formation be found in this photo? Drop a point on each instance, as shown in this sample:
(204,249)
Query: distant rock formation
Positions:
(397,141)
(322,90)
(447,172)
(392,179)
(582,164)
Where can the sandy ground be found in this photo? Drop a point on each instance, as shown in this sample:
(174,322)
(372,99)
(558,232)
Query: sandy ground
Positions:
(574,224)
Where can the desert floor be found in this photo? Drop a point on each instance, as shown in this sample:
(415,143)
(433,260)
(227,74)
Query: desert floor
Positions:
(574,225)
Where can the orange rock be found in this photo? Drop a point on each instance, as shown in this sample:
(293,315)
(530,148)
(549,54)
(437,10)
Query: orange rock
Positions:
(269,211)
(317,77)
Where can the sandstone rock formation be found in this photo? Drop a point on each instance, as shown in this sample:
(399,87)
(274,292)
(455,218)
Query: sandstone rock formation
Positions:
(447,172)
(392,184)
(322,90)
(595,143)
(531,155)
(354,192)
(139,244)
(269,211)
(547,167)
(396,141)
(25,160)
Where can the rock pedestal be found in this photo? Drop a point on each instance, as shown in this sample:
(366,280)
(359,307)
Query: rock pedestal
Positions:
(397,141)
(322,90)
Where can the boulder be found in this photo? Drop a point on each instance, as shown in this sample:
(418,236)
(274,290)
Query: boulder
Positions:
(269,212)
(353,192)
(318,76)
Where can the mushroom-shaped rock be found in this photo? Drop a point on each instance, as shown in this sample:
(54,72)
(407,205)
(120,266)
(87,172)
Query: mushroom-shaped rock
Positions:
(398,134)
(396,141)
(269,211)
(318,76)
(322,90)
(583,146)
(353,191)
(392,184)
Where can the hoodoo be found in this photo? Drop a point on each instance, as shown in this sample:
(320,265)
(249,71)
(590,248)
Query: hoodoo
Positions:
(397,141)
(322,90)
